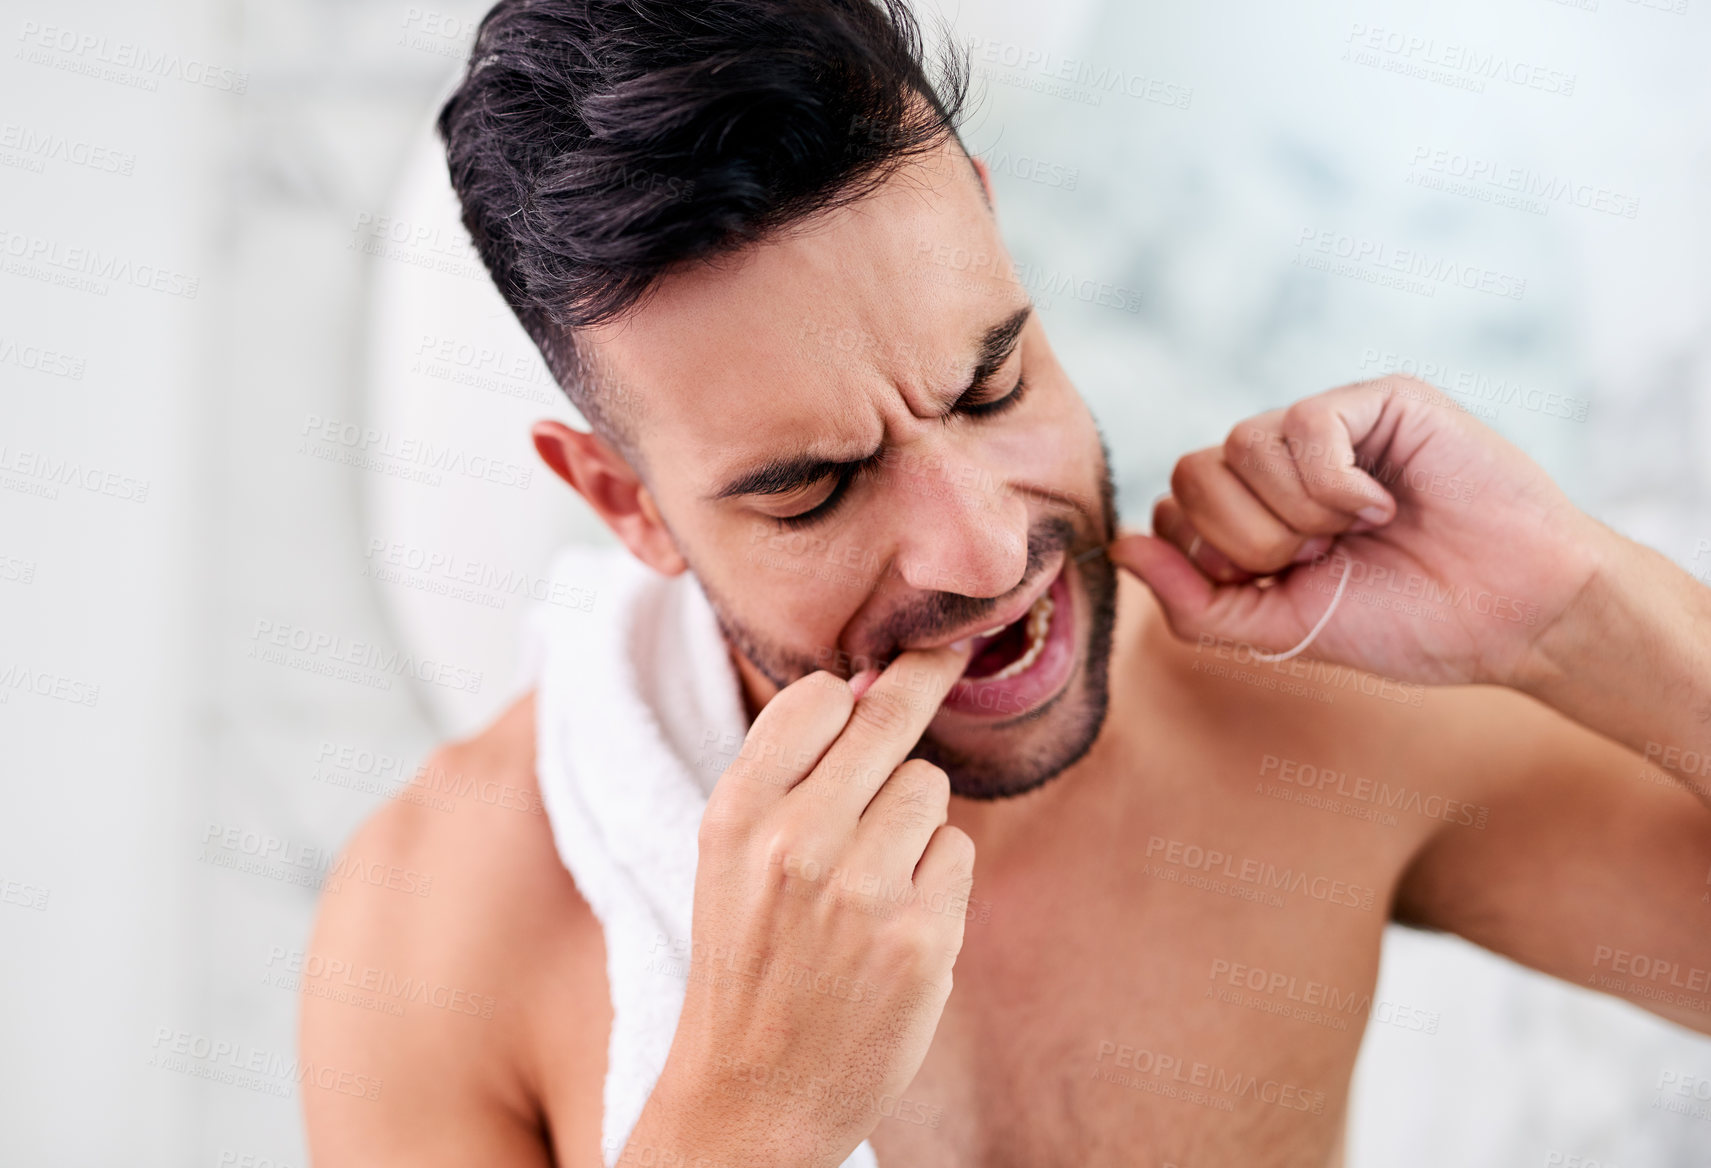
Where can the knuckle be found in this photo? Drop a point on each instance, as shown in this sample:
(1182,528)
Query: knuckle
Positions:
(719,824)
(914,805)
(1185,481)
(1302,417)
(928,779)
(794,848)
(959,849)
(1245,441)
(881,712)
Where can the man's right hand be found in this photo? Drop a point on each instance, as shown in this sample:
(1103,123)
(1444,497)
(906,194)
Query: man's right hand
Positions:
(830,896)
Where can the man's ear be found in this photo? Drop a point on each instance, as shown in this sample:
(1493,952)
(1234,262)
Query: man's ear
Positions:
(985,180)
(613,488)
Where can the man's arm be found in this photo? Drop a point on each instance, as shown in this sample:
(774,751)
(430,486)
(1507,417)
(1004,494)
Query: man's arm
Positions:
(1631,657)
(455,964)
(436,1104)
(1463,563)
(1592,866)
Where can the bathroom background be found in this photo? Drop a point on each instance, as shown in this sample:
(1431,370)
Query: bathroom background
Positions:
(234,294)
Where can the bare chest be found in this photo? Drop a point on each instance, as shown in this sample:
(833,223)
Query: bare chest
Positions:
(1157,1010)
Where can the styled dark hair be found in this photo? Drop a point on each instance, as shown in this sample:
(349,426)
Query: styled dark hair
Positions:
(597,144)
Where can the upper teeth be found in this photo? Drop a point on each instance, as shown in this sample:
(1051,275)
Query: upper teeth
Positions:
(993,632)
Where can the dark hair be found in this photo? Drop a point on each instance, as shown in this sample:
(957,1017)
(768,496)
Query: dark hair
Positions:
(596,144)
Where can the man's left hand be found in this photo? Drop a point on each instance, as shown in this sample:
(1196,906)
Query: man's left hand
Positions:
(1460,550)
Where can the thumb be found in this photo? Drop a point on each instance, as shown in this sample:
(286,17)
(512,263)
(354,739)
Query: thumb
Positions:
(1182,590)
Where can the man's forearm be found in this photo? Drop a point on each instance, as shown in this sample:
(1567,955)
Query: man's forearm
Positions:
(1631,658)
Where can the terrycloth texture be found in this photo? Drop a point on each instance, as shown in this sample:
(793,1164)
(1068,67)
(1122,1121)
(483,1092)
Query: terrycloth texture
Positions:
(637,711)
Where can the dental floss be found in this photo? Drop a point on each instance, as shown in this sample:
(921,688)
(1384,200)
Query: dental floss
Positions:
(1336,599)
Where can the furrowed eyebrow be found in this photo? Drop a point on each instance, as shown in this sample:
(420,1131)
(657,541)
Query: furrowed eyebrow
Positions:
(780,476)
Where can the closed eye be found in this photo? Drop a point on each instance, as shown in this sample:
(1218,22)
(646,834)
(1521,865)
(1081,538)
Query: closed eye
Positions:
(972,405)
(840,483)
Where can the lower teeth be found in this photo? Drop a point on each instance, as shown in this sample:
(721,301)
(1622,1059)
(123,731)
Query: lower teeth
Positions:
(1039,621)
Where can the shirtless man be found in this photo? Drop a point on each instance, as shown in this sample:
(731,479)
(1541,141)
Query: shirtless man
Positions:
(1160,864)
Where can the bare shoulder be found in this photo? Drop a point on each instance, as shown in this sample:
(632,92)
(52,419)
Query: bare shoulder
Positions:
(457,975)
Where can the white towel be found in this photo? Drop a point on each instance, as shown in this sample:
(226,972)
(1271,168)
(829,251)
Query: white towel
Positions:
(637,712)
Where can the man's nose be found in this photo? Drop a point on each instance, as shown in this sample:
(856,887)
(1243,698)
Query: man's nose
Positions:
(962,530)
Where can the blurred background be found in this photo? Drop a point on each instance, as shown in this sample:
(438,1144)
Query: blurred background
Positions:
(236,308)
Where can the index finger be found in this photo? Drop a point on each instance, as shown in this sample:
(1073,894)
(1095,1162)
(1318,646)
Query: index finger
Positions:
(884,727)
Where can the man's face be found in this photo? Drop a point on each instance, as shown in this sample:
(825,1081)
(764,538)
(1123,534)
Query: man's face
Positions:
(861,443)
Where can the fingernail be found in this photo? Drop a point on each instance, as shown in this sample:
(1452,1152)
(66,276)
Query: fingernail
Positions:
(963,645)
(861,682)
(1372,513)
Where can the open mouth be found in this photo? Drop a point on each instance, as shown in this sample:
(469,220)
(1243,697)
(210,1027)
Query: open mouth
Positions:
(1012,649)
(1019,667)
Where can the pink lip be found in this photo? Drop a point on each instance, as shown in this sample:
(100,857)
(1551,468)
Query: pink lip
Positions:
(1011,697)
